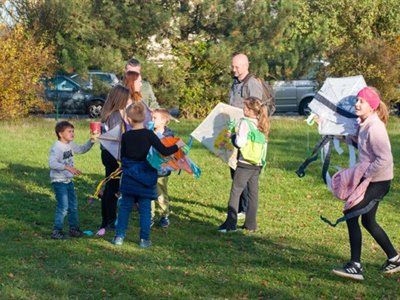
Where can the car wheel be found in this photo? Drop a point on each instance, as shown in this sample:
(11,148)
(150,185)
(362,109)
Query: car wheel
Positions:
(394,108)
(304,110)
(94,109)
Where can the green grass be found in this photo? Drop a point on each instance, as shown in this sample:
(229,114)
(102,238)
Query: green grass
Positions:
(289,257)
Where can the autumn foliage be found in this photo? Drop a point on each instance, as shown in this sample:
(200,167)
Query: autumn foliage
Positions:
(23,61)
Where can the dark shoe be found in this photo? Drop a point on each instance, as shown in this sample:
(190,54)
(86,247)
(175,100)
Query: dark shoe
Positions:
(164,222)
(58,235)
(390,267)
(247,229)
(224,229)
(349,270)
(76,233)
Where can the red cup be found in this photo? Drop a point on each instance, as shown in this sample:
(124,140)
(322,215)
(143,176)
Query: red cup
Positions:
(95,127)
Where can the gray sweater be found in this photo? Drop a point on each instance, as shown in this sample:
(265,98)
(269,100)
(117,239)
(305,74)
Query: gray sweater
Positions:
(61,155)
(240,92)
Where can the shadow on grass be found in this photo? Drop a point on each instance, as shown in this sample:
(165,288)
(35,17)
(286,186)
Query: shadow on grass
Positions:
(190,259)
(32,188)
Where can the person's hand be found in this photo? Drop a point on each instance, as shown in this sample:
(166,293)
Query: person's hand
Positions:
(94,137)
(72,170)
(231,126)
(180,143)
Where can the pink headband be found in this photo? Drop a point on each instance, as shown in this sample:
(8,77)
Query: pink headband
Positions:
(371,96)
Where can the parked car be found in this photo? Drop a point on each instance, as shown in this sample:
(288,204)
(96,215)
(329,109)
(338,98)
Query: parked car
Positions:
(294,95)
(88,80)
(69,97)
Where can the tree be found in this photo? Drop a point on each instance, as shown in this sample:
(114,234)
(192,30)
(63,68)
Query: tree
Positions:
(23,61)
(364,38)
(91,34)
(280,39)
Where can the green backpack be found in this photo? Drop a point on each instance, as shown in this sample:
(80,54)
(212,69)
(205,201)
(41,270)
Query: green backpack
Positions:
(255,150)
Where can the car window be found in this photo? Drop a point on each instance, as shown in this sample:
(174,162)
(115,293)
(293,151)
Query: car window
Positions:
(102,77)
(62,84)
(80,80)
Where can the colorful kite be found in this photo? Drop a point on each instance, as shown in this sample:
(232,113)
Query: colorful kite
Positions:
(175,162)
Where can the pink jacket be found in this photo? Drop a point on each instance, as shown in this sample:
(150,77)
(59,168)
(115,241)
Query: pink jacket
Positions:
(374,147)
(346,184)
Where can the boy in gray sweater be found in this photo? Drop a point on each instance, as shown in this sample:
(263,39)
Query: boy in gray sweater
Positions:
(62,171)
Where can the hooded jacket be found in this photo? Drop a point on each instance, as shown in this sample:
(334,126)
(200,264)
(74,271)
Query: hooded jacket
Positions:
(350,184)
(139,179)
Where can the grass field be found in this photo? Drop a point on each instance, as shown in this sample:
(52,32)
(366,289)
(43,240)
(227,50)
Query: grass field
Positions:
(289,257)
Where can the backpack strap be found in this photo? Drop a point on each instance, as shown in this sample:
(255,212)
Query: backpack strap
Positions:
(250,124)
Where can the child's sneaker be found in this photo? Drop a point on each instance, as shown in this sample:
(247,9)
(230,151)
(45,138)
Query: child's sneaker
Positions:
(390,267)
(75,232)
(164,222)
(118,241)
(101,232)
(241,215)
(58,235)
(144,243)
(349,270)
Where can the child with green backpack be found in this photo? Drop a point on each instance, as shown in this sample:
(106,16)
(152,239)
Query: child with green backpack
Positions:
(251,140)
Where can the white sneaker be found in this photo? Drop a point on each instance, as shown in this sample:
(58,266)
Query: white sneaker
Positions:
(241,215)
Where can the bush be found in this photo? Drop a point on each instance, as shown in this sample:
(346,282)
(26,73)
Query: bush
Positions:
(196,80)
(377,60)
(23,62)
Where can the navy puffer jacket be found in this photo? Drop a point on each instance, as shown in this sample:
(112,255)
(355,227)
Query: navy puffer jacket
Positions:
(139,179)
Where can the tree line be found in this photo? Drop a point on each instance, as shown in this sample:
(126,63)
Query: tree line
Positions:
(283,40)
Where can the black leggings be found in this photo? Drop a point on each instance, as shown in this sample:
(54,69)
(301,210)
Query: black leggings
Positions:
(376,190)
(109,199)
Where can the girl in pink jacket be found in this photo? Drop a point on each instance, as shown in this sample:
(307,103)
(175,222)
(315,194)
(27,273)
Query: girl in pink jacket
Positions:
(373,148)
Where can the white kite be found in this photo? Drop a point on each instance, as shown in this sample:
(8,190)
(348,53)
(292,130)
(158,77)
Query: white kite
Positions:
(213,132)
(111,141)
(334,107)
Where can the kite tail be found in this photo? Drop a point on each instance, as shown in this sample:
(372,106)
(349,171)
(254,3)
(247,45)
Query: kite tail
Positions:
(353,214)
(96,195)
(329,222)
(187,147)
(196,170)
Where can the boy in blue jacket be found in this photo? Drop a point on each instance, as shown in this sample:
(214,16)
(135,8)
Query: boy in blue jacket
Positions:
(139,178)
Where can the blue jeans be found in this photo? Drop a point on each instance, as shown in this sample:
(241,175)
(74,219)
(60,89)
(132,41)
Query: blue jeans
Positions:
(66,204)
(125,209)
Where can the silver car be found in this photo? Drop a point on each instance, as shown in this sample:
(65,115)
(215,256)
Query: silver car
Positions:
(294,95)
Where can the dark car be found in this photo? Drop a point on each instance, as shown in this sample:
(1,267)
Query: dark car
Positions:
(88,81)
(69,97)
